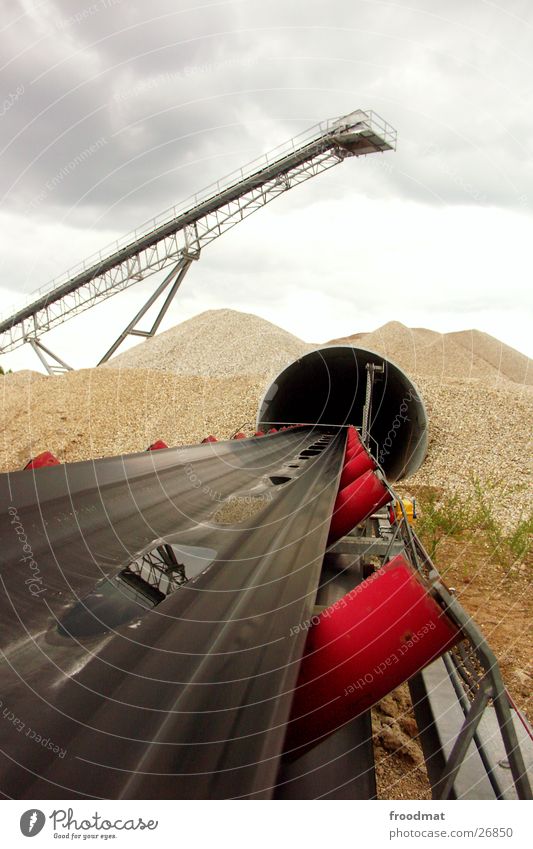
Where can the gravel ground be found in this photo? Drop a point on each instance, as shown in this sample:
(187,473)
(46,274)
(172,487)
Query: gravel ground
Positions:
(475,429)
(478,430)
(102,412)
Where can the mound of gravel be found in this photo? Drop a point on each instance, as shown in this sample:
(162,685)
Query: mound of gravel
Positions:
(514,365)
(209,374)
(475,428)
(483,431)
(223,343)
(103,412)
(217,343)
(468,354)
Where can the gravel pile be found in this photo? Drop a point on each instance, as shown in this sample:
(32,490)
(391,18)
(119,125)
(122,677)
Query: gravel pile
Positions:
(217,343)
(102,412)
(478,425)
(477,429)
(468,354)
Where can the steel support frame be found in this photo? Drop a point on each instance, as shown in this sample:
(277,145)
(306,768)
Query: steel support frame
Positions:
(43,352)
(368,542)
(162,566)
(491,684)
(172,282)
(211,213)
(185,242)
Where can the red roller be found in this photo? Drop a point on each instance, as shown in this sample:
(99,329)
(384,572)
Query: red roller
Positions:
(352,438)
(273,430)
(259,433)
(157,445)
(45,458)
(353,452)
(210,438)
(362,647)
(240,436)
(355,502)
(360,464)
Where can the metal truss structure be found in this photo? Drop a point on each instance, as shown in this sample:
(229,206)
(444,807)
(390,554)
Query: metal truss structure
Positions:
(156,574)
(178,235)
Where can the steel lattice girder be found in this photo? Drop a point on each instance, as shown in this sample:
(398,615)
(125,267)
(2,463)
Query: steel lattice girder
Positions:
(184,235)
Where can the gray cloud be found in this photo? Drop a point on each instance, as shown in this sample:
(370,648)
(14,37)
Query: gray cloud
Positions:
(112,111)
(180,96)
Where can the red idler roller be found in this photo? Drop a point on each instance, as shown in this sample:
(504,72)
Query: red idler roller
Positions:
(157,445)
(210,438)
(362,647)
(356,467)
(239,436)
(355,502)
(352,452)
(352,438)
(273,430)
(259,433)
(45,458)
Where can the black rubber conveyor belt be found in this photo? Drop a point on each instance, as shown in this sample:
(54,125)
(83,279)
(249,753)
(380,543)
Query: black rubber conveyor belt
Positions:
(185,699)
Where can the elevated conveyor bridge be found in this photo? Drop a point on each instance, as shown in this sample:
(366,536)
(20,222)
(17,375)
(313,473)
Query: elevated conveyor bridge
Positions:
(176,238)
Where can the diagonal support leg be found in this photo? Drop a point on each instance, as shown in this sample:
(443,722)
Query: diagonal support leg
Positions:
(444,786)
(41,351)
(172,280)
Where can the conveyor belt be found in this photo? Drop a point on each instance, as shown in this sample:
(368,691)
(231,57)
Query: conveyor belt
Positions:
(128,706)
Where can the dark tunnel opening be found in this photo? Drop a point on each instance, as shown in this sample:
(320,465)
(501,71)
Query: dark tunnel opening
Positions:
(328,387)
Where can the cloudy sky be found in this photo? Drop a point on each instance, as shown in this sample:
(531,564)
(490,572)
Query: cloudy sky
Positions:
(173,94)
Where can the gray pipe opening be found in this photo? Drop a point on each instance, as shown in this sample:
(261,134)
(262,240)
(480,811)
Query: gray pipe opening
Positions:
(327,387)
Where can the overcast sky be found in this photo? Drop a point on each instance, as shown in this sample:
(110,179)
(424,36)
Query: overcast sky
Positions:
(174,94)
